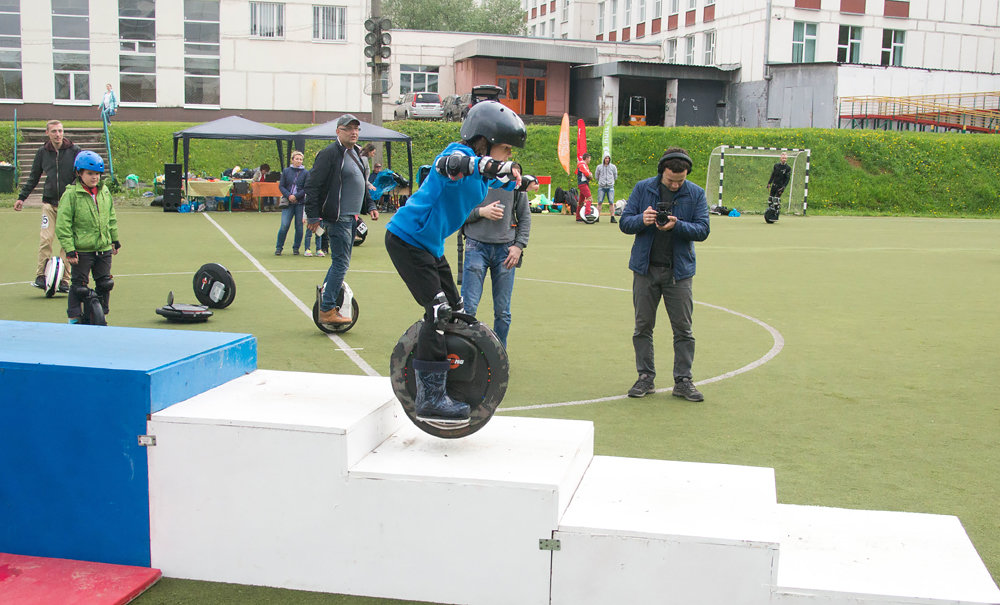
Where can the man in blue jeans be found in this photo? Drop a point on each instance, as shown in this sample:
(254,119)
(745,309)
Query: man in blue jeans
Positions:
(336,192)
(495,234)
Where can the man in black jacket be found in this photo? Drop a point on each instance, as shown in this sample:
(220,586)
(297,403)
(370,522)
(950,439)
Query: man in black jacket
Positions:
(55,159)
(336,192)
(780,175)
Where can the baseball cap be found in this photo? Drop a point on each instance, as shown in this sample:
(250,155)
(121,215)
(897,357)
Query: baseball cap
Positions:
(346,119)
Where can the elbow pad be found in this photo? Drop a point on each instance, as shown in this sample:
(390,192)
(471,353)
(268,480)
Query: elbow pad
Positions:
(494,169)
(455,164)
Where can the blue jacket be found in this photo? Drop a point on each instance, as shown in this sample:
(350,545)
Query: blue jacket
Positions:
(691,210)
(294,176)
(441,205)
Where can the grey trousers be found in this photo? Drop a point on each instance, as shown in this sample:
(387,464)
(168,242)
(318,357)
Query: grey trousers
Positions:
(647,290)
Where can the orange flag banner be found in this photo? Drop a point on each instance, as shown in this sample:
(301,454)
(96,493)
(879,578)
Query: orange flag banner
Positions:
(563,148)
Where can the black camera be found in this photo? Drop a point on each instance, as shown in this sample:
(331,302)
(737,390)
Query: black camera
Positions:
(663,212)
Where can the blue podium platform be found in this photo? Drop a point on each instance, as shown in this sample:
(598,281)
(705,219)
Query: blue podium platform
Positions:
(73,401)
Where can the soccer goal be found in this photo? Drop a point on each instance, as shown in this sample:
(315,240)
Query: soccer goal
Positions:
(742,174)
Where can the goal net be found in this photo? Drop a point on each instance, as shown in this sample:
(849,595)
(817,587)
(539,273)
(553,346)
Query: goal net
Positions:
(737,178)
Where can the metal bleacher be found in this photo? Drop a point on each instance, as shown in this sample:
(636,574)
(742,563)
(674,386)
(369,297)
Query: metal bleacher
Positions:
(962,112)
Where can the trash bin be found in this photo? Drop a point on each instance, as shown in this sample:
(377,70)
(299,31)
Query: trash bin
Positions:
(6,178)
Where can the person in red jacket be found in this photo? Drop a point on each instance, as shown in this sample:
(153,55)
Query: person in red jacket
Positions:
(583,177)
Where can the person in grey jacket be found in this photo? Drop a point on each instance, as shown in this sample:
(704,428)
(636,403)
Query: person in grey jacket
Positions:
(496,233)
(606,174)
(55,160)
(336,192)
(667,214)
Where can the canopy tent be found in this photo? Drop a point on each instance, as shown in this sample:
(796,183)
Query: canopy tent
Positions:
(233,128)
(369,132)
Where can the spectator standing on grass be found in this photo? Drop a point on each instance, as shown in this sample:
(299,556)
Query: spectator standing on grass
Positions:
(88,231)
(336,193)
(55,160)
(780,175)
(292,186)
(496,232)
(109,104)
(667,214)
(606,174)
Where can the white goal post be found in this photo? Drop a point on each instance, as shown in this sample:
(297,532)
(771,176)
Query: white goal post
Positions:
(745,171)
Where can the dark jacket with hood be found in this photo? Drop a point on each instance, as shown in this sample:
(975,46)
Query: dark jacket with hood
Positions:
(57,165)
(325,179)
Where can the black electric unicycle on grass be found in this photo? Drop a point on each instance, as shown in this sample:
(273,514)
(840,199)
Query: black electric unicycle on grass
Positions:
(478,373)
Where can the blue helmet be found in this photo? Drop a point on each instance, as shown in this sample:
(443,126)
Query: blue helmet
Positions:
(88,160)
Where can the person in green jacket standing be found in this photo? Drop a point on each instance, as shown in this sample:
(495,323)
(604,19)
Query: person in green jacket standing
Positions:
(87,229)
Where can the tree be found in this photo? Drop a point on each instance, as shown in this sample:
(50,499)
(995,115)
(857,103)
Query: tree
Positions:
(491,17)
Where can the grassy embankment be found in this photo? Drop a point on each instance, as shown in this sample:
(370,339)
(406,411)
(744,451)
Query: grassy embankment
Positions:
(854,172)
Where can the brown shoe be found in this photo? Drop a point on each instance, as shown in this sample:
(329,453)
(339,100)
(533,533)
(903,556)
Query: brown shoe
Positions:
(334,317)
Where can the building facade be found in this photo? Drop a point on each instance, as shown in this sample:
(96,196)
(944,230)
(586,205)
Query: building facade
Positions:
(684,62)
(790,60)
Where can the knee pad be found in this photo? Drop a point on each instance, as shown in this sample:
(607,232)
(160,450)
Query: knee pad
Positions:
(81,292)
(104,284)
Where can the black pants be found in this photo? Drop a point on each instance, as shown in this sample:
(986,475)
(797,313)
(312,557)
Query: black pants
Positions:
(777,190)
(98,263)
(425,276)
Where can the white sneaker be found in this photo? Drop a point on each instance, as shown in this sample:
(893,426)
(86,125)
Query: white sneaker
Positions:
(309,253)
(320,253)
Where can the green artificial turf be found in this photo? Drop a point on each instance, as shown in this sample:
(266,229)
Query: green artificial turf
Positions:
(883,394)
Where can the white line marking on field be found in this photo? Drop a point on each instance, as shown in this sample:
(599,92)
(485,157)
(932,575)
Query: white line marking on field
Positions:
(776,347)
(341,345)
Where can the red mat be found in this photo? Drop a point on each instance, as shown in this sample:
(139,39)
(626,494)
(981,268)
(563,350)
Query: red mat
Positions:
(42,581)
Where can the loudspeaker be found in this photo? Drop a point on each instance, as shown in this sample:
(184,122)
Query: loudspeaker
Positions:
(172,176)
(171,200)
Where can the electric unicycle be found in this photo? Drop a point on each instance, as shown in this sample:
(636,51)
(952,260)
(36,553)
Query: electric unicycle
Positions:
(346,301)
(214,286)
(92,310)
(478,374)
(773,210)
(590,217)
(54,270)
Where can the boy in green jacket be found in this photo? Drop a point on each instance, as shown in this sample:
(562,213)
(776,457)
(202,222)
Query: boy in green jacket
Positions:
(87,229)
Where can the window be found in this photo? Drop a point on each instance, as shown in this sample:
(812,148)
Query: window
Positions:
(614,14)
(689,50)
(692,4)
(892,47)
(803,42)
(673,6)
(201,52)
(267,19)
(541,29)
(10,49)
(71,49)
(328,22)
(600,17)
(418,78)
(672,50)
(628,13)
(565,10)
(137,51)
(710,48)
(657,9)
(552,27)
(642,11)
(849,44)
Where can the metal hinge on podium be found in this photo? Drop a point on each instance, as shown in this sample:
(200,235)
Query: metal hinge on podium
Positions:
(147,440)
(549,544)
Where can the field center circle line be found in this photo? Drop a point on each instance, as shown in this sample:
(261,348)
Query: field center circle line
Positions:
(778,343)
(341,345)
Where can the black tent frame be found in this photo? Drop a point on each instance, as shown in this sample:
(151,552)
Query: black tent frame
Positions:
(234,128)
(369,132)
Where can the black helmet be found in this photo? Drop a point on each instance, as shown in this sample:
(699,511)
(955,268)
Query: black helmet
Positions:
(498,123)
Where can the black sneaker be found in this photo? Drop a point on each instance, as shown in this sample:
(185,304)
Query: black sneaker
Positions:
(686,389)
(39,282)
(642,387)
(64,288)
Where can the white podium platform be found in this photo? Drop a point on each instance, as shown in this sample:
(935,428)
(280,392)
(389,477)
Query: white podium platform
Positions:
(318,482)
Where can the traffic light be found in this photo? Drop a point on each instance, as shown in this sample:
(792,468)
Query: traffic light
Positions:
(377,39)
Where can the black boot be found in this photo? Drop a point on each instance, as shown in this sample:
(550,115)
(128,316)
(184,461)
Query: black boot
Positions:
(433,403)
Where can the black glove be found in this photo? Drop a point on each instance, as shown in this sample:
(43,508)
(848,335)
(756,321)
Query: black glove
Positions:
(71,254)
(116,244)
(455,164)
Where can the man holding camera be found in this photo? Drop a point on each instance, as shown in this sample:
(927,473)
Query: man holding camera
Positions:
(667,214)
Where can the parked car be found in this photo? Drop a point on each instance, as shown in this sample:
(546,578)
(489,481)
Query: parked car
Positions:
(419,105)
(457,106)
